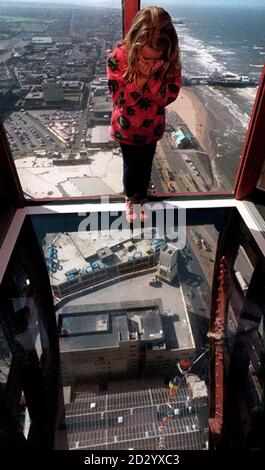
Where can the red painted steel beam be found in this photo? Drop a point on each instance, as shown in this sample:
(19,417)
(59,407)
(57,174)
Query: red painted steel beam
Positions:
(216,336)
(129,10)
(253,153)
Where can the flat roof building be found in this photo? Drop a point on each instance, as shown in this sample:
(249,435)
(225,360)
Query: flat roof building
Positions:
(167,267)
(100,135)
(183,138)
(42,40)
(33,99)
(112,341)
(53,92)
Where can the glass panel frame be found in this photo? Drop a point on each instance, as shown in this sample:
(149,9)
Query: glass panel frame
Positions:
(38,201)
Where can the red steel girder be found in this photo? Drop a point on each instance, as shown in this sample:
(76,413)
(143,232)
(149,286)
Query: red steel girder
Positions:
(129,10)
(253,152)
(216,336)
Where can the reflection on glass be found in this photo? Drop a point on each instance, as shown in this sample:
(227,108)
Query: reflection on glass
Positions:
(133,316)
(5,360)
(261,182)
(245,371)
(20,422)
(29,372)
(54,98)
(243,270)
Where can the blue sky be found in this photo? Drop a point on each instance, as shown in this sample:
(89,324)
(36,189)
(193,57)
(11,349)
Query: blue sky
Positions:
(117,3)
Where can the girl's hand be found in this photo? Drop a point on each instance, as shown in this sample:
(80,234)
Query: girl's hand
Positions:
(141,81)
(145,68)
(158,64)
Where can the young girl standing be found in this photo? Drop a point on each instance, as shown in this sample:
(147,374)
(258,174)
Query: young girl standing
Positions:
(144,76)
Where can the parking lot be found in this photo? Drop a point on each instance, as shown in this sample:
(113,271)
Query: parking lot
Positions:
(28,131)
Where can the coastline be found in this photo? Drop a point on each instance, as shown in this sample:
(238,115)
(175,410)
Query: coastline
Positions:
(209,120)
(193,112)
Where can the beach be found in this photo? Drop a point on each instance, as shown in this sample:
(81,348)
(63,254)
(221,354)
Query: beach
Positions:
(193,112)
(215,126)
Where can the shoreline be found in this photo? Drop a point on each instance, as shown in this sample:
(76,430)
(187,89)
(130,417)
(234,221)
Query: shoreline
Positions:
(206,119)
(193,112)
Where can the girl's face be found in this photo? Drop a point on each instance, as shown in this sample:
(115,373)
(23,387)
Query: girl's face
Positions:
(149,60)
(149,55)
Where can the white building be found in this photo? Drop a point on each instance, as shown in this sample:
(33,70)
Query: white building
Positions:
(42,40)
(167,267)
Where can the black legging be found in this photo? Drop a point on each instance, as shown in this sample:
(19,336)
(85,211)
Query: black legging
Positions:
(137,167)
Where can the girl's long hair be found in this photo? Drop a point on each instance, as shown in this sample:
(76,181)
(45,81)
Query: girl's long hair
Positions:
(153,27)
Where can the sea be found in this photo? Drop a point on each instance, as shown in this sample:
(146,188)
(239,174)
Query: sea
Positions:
(226,39)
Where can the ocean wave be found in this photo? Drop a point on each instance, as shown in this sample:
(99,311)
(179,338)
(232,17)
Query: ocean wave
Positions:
(248,94)
(241,117)
(222,51)
(207,58)
(216,50)
(204,56)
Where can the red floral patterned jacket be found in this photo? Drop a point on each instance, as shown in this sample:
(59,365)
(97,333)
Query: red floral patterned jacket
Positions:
(138,115)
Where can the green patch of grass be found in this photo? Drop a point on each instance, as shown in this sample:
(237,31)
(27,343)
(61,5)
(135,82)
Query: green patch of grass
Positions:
(16,18)
(24,19)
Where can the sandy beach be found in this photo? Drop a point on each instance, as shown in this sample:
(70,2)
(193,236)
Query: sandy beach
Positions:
(194,113)
(213,120)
